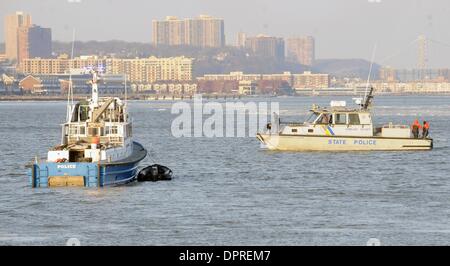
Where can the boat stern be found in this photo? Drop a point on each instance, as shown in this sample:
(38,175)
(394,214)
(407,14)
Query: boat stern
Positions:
(46,175)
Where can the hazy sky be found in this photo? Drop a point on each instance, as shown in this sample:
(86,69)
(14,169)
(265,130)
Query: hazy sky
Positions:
(342,28)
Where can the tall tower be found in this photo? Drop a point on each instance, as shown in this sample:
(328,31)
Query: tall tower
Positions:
(423,57)
(12,24)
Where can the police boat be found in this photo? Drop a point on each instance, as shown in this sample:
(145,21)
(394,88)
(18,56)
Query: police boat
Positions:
(342,128)
(97,147)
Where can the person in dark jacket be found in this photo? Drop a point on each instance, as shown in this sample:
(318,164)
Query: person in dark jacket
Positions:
(426,129)
(416,128)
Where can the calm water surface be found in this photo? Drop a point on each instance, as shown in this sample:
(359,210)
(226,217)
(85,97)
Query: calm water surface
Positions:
(228,191)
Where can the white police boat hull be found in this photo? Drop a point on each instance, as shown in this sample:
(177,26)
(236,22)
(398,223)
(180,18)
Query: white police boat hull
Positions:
(338,143)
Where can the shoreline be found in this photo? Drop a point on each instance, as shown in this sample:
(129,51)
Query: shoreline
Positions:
(46,98)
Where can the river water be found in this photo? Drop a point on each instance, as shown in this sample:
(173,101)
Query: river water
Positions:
(228,191)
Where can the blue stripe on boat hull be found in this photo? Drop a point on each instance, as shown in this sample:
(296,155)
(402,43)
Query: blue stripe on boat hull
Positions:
(110,174)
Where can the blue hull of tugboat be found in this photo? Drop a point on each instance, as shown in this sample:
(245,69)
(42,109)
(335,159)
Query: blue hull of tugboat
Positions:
(88,174)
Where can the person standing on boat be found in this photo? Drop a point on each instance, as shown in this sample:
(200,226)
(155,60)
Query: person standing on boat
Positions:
(416,128)
(426,129)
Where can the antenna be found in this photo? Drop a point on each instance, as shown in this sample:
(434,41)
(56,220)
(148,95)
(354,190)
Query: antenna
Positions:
(70,89)
(126,90)
(370,70)
(126,100)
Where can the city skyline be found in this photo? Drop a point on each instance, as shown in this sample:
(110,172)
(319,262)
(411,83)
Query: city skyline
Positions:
(348,30)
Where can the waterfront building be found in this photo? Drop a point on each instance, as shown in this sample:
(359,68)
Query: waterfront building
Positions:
(247,87)
(182,88)
(266,46)
(305,80)
(12,24)
(309,80)
(58,84)
(233,76)
(412,87)
(9,85)
(150,70)
(265,83)
(60,65)
(301,50)
(139,70)
(203,31)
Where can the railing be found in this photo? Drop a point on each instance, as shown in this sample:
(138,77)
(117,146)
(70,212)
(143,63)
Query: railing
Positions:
(103,139)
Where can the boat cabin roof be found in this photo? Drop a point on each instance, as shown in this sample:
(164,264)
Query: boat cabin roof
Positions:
(328,110)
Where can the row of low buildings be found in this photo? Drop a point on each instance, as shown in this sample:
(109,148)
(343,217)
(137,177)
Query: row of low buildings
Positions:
(235,83)
(59,84)
(306,80)
(113,83)
(187,88)
(413,87)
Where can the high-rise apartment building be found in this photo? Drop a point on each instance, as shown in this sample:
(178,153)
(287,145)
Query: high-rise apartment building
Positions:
(39,42)
(240,42)
(204,31)
(34,41)
(266,46)
(12,24)
(169,32)
(22,43)
(301,50)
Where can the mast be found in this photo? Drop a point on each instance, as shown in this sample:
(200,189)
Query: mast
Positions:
(125,109)
(366,96)
(368,100)
(94,81)
(70,104)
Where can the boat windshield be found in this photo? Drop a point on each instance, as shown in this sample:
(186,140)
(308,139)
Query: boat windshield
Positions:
(312,117)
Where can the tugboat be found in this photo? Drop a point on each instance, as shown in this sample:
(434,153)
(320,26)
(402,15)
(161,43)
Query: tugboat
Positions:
(340,128)
(97,147)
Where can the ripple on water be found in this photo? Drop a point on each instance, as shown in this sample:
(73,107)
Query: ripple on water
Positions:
(228,191)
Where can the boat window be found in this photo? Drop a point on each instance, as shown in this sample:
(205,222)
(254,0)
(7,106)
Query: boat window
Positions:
(365,119)
(73,130)
(324,119)
(340,119)
(312,118)
(112,130)
(82,130)
(93,131)
(353,119)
